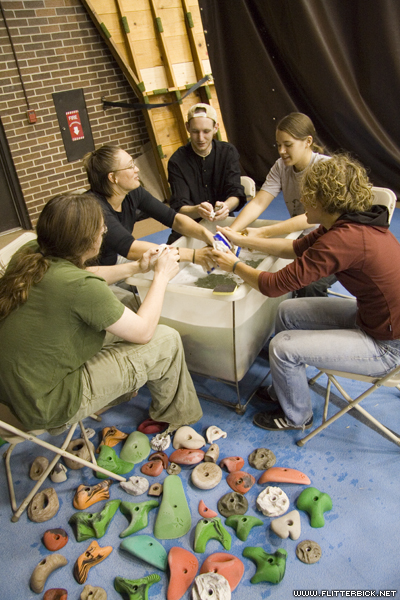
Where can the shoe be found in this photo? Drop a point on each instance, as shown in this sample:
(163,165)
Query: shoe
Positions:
(263,394)
(276,421)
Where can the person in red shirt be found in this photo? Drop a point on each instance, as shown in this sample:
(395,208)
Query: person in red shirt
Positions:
(360,335)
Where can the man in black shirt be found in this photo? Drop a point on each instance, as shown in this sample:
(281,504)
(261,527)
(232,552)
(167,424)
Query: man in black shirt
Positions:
(204,175)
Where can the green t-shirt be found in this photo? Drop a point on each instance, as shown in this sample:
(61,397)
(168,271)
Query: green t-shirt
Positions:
(45,342)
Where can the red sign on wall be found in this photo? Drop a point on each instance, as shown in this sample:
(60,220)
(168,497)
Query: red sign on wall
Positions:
(75,125)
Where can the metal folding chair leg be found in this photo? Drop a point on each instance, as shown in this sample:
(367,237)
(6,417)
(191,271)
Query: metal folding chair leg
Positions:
(351,404)
(17,511)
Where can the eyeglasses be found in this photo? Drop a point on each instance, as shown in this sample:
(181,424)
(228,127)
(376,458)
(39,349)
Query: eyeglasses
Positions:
(131,166)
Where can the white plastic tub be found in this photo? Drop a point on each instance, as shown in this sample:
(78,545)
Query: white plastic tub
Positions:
(222,335)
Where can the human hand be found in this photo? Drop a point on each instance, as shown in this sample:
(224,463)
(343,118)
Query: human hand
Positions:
(225,260)
(233,236)
(148,259)
(168,262)
(221,211)
(206,211)
(256,231)
(205,258)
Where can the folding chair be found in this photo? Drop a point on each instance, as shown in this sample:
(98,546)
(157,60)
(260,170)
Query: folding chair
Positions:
(14,432)
(391,379)
(386,197)
(249,186)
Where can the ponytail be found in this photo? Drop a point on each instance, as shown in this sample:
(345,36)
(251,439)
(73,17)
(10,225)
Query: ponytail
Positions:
(27,268)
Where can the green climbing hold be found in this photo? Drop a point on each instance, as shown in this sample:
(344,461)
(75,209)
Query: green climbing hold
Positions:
(173,519)
(148,549)
(270,567)
(243,524)
(316,503)
(109,460)
(136,447)
(135,589)
(138,513)
(2,442)
(210,529)
(93,525)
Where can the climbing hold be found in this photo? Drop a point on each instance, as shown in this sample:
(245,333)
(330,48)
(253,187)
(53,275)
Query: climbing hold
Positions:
(161,441)
(43,506)
(206,475)
(59,473)
(92,557)
(44,569)
(210,529)
(288,525)
(270,567)
(93,593)
(55,539)
(148,549)
(153,468)
(38,467)
(232,503)
(173,469)
(211,585)
(136,447)
(212,454)
(156,489)
(86,495)
(78,448)
(272,502)
(56,594)
(183,566)
(184,456)
(187,437)
(109,460)
(138,513)
(316,503)
(214,433)
(205,512)
(111,437)
(89,525)
(160,456)
(262,458)
(243,524)
(232,463)
(283,475)
(240,481)
(135,486)
(227,565)
(149,426)
(135,589)
(308,552)
(173,518)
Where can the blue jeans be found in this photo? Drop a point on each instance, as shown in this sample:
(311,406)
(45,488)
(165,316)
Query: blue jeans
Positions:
(321,332)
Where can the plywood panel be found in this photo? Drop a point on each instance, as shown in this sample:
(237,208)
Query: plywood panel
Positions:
(157,49)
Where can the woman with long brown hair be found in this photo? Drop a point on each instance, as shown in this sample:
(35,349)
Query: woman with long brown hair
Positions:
(68,347)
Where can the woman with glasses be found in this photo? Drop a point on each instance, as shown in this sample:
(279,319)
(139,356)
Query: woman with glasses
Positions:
(69,347)
(114,180)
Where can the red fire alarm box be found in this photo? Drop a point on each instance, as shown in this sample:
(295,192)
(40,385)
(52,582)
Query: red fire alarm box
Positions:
(31,114)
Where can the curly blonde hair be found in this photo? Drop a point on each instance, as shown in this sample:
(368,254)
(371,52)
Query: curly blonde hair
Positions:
(338,185)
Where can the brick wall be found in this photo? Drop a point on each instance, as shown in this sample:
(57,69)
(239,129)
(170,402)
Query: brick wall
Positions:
(58,49)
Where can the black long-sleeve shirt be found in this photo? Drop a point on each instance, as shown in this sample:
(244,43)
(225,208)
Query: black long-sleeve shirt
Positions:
(195,179)
(119,237)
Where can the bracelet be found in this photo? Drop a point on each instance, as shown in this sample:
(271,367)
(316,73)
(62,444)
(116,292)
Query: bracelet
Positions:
(194,255)
(234,265)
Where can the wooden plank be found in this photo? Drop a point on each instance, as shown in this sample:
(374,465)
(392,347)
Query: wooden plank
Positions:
(159,45)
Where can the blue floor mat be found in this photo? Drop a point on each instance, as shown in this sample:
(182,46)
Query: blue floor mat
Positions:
(350,461)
